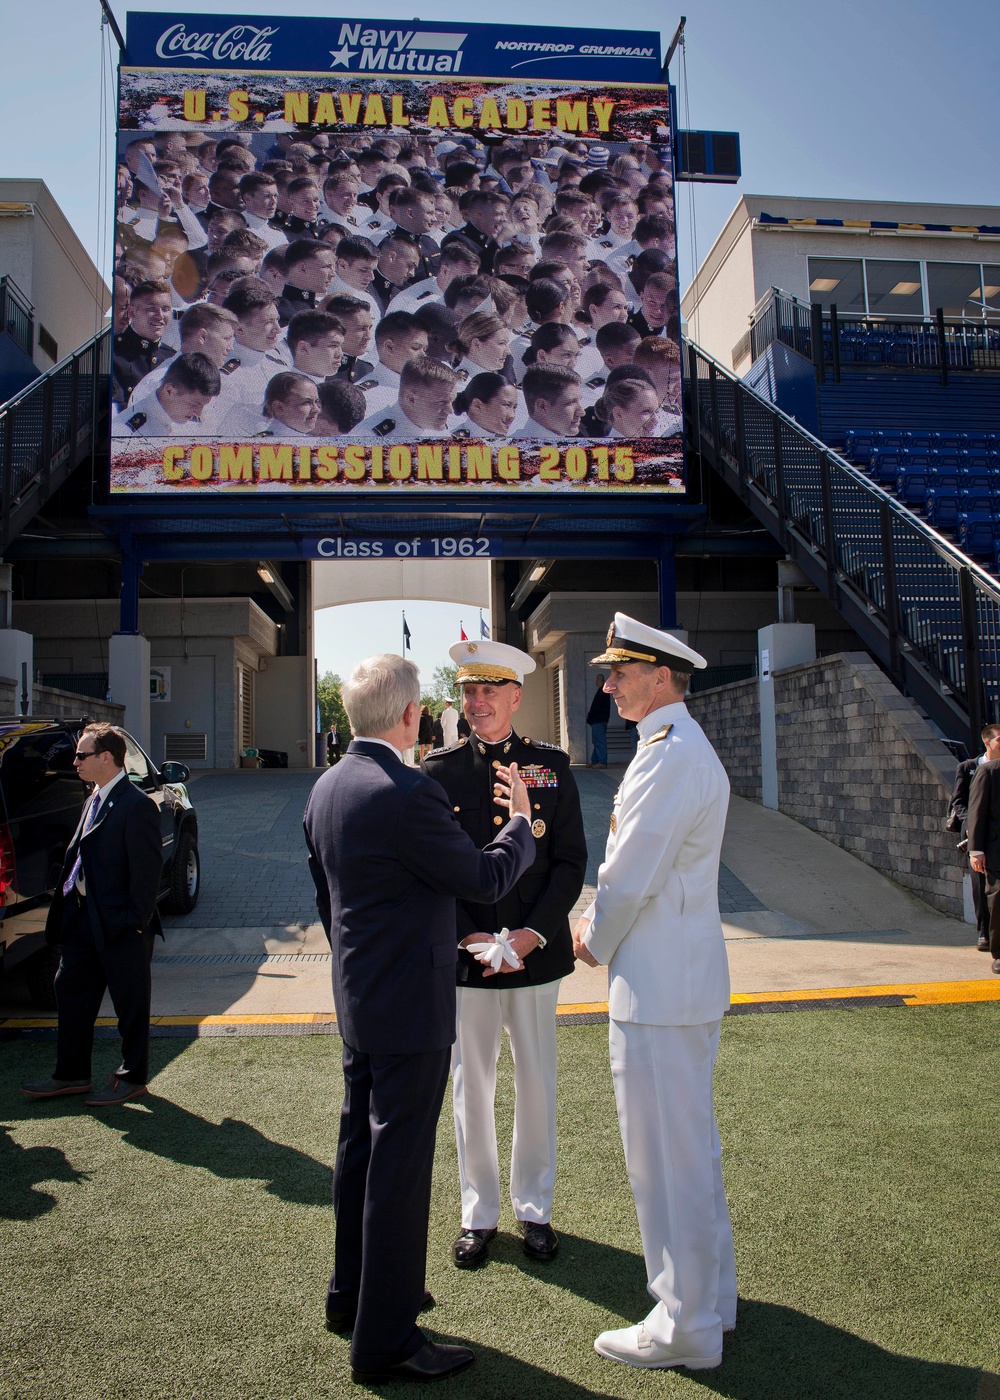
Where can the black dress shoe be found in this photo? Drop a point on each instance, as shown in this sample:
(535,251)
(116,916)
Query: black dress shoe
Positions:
(472,1248)
(344,1321)
(432,1362)
(995,966)
(984,943)
(540,1241)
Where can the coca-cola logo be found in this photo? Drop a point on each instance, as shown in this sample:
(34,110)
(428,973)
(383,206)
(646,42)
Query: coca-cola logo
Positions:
(241,43)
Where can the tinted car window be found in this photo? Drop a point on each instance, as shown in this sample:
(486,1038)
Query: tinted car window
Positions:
(137,767)
(42,798)
(36,772)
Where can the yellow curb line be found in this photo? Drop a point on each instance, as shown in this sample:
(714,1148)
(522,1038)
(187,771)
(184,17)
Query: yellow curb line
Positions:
(913,993)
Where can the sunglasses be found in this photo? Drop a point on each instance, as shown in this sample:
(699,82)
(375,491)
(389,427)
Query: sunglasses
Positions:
(81,754)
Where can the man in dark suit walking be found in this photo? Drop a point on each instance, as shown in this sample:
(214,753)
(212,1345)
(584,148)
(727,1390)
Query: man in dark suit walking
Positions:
(983,831)
(389,859)
(958,818)
(104,917)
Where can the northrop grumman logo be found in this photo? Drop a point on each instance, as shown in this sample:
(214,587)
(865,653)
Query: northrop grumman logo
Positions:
(241,43)
(397,50)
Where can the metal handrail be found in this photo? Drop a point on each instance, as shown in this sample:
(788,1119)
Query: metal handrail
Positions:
(830,339)
(931,615)
(17,315)
(49,428)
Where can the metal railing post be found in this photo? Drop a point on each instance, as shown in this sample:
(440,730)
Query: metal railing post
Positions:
(818,349)
(713,399)
(893,616)
(6,487)
(829,547)
(45,465)
(835,342)
(942,341)
(970,650)
(694,398)
(739,430)
(779,479)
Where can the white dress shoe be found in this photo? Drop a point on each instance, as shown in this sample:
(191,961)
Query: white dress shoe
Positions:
(636,1347)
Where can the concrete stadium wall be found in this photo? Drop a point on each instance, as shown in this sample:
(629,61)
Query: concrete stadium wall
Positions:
(857,763)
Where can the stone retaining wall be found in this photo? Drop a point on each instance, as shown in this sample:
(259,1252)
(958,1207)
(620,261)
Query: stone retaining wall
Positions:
(51,703)
(730,716)
(856,763)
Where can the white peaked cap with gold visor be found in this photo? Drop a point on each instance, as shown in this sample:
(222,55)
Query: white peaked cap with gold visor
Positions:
(490,663)
(629,640)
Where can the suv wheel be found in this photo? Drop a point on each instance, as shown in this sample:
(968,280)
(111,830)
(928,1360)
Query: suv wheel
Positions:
(39,974)
(185,876)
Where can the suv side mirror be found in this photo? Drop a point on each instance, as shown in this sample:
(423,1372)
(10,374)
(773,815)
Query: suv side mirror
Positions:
(174,773)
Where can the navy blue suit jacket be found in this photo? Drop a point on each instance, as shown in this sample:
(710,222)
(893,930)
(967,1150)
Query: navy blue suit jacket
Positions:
(389,860)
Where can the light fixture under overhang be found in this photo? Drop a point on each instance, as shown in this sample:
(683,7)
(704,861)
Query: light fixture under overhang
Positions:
(824,284)
(986,292)
(904,289)
(537,572)
(270,575)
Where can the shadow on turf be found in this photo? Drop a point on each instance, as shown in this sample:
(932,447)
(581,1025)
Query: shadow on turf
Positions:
(776,1354)
(22,1169)
(231,1150)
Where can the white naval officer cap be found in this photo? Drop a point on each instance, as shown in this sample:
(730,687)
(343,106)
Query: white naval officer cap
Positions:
(490,663)
(629,640)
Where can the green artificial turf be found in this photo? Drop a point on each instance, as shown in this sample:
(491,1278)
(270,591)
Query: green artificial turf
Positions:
(180,1246)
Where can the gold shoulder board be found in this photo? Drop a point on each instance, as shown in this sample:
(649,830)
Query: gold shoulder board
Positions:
(660,734)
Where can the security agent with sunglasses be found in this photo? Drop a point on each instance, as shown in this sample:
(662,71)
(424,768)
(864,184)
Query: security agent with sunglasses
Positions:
(521,998)
(655,923)
(103,916)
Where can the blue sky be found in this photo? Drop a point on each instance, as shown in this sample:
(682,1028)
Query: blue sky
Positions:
(891,99)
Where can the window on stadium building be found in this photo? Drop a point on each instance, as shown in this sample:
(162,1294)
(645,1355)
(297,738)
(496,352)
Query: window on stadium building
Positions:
(894,288)
(965,291)
(840,281)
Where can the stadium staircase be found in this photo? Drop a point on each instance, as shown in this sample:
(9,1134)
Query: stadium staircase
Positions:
(49,428)
(926,610)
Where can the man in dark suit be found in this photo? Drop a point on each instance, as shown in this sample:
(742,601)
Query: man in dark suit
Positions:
(982,828)
(389,859)
(958,818)
(521,995)
(104,917)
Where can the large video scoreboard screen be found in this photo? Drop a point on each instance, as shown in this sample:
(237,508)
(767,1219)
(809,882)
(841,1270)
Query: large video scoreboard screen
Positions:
(360,255)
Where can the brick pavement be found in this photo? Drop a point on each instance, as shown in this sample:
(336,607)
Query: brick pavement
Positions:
(254,872)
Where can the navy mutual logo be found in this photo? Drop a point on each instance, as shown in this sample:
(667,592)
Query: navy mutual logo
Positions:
(245,43)
(397,50)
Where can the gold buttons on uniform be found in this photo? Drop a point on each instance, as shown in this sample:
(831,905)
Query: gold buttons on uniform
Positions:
(496,763)
(538,806)
(458,809)
(498,821)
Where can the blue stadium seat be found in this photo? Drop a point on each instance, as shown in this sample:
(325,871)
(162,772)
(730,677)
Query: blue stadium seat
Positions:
(942,508)
(884,466)
(977,533)
(944,478)
(912,483)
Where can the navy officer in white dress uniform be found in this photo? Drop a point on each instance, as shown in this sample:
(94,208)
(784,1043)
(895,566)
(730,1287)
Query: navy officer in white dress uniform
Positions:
(655,923)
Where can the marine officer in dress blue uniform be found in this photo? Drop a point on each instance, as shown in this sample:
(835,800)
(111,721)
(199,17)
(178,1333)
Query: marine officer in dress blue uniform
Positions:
(521,998)
(655,922)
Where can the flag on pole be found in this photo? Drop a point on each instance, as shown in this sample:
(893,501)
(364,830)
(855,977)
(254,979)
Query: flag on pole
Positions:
(461,628)
(484,627)
(406,635)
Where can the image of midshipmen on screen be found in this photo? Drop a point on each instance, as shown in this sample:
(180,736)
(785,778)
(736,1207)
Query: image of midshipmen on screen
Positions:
(390,286)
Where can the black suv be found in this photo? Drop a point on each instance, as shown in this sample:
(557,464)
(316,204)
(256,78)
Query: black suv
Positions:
(40,802)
